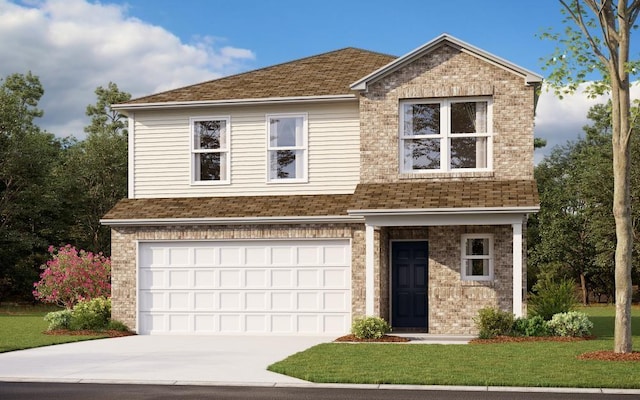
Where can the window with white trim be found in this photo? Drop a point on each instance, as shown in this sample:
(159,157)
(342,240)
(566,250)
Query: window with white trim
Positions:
(477,257)
(287,148)
(445,135)
(210,149)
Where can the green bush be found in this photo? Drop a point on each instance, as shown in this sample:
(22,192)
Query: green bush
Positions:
(93,314)
(370,328)
(115,325)
(492,322)
(552,298)
(58,319)
(571,323)
(533,326)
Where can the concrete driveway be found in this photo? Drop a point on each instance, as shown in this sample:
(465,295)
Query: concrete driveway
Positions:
(158,359)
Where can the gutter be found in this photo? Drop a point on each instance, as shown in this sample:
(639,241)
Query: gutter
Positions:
(444,211)
(234,102)
(338,219)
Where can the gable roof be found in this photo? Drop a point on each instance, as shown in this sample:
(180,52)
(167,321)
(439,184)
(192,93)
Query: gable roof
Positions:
(404,197)
(327,74)
(362,83)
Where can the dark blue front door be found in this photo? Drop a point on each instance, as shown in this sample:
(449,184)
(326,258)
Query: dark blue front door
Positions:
(409,274)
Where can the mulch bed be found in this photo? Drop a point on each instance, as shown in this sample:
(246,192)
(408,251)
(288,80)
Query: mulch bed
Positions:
(66,332)
(601,355)
(384,339)
(524,339)
(608,355)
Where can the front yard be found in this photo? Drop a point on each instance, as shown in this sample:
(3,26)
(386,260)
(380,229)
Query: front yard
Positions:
(505,364)
(24,327)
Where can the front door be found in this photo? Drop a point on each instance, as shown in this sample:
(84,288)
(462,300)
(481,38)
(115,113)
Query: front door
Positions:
(409,274)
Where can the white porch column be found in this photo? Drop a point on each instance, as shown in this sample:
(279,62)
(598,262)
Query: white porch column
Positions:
(517,269)
(369,287)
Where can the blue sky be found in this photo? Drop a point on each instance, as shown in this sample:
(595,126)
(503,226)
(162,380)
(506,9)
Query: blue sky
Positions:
(282,30)
(146,46)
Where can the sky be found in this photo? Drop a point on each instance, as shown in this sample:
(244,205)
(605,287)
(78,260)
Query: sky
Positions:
(146,46)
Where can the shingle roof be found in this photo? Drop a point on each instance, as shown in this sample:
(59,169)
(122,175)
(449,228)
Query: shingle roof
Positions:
(230,207)
(321,75)
(373,196)
(445,194)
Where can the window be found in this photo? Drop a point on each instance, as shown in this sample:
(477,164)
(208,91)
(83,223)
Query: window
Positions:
(445,135)
(477,257)
(287,148)
(210,149)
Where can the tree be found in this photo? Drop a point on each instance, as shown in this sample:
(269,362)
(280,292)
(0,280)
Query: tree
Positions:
(596,40)
(573,235)
(29,211)
(99,165)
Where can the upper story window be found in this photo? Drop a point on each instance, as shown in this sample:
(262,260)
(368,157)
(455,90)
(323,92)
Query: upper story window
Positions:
(477,257)
(445,135)
(287,148)
(210,149)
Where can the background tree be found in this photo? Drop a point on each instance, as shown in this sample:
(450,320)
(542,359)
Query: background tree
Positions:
(99,170)
(29,207)
(573,235)
(596,39)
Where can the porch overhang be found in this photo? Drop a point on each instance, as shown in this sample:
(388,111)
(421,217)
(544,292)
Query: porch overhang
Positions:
(514,216)
(444,216)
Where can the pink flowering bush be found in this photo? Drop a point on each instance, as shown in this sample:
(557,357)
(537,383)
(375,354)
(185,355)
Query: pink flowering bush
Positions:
(72,276)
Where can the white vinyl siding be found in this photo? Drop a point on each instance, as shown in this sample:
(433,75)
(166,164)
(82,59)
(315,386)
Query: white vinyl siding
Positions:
(162,156)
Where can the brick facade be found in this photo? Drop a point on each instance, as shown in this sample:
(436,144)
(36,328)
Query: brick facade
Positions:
(124,243)
(444,73)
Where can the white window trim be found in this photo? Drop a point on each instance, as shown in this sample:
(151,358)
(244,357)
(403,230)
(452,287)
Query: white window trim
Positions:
(303,147)
(192,151)
(445,136)
(464,257)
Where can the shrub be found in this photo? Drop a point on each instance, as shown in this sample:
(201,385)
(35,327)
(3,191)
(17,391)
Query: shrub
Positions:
(492,322)
(115,325)
(370,328)
(533,326)
(58,319)
(72,275)
(571,323)
(92,314)
(552,298)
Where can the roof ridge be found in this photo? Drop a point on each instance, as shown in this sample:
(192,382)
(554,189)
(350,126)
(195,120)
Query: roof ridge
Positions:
(260,69)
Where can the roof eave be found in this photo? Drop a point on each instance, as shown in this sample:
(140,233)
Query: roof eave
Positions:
(234,102)
(528,76)
(442,211)
(230,221)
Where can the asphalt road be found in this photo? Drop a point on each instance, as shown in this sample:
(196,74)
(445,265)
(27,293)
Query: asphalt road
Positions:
(73,391)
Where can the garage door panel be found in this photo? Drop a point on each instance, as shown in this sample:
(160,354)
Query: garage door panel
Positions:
(229,278)
(281,278)
(204,279)
(336,278)
(236,287)
(308,278)
(256,278)
(178,279)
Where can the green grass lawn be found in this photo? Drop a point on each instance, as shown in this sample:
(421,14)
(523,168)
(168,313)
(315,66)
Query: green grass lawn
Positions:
(23,327)
(508,364)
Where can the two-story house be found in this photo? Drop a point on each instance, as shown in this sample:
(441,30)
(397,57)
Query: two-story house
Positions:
(295,198)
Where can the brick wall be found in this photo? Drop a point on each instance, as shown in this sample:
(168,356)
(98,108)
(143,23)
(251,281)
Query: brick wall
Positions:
(124,243)
(447,72)
(453,303)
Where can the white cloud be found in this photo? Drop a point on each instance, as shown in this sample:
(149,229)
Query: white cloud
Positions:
(75,46)
(559,121)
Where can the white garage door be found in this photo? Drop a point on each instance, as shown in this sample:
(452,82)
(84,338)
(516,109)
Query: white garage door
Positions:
(245,287)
